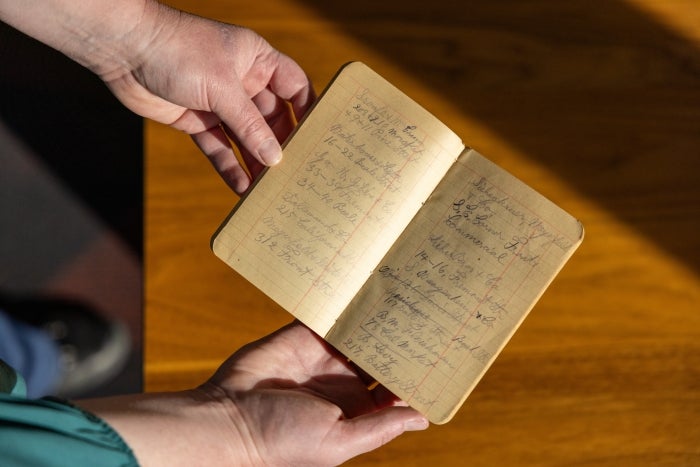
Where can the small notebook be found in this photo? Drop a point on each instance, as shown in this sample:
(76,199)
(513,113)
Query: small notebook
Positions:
(413,255)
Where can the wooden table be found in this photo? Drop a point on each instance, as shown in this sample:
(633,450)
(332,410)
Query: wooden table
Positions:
(597,106)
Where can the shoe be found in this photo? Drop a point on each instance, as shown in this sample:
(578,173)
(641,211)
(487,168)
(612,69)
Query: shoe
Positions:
(92,349)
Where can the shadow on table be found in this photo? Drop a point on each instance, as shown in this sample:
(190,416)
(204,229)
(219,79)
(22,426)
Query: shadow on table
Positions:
(608,98)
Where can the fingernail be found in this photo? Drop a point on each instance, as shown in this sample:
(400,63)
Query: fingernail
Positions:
(416,424)
(270,152)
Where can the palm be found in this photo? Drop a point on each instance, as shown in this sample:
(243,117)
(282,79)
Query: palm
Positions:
(296,380)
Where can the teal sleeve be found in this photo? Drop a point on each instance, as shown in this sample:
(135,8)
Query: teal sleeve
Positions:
(49,432)
(11,382)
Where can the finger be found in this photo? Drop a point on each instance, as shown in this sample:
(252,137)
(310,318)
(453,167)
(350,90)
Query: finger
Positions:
(252,165)
(366,378)
(248,126)
(368,432)
(289,82)
(216,146)
(276,112)
(196,121)
(302,101)
(385,398)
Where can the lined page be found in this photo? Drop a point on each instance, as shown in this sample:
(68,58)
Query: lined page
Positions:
(456,285)
(353,175)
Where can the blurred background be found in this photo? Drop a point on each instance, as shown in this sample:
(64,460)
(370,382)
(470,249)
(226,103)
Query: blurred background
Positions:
(71,193)
(594,104)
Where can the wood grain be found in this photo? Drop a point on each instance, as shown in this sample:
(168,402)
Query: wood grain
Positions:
(597,107)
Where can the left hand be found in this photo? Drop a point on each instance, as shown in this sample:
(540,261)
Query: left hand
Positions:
(299,402)
(288,399)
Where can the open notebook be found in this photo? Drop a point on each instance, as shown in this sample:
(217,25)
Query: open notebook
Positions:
(410,253)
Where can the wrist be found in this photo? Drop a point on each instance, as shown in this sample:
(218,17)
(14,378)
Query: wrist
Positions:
(239,437)
(102,35)
(185,428)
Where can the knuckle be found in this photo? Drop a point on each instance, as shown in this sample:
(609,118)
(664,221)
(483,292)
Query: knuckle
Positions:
(252,126)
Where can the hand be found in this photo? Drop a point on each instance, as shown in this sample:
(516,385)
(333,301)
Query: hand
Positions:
(218,83)
(299,402)
(212,80)
(287,399)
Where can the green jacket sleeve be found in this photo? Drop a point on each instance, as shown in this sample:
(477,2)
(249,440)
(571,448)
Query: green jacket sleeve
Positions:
(50,432)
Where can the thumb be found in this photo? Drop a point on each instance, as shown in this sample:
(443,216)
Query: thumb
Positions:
(250,129)
(368,432)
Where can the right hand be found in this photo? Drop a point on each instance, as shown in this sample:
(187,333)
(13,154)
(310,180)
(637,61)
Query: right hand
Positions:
(217,82)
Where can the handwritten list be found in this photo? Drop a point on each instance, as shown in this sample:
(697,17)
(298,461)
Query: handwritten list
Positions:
(452,289)
(347,186)
(415,257)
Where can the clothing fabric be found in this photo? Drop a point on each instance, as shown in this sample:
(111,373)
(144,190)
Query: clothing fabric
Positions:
(51,433)
(32,353)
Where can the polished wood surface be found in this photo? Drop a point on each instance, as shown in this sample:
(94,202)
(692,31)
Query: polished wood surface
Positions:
(594,104)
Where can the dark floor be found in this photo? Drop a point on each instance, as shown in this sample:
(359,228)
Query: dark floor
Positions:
(71,190)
